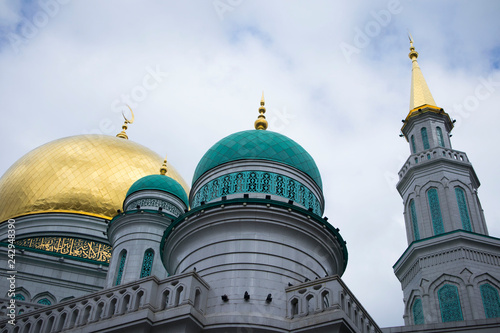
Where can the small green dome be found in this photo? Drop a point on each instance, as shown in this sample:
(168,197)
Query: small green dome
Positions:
(258,145)
(160,183)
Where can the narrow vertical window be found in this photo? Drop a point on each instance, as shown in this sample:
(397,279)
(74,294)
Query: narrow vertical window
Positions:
(437,220)
(413,148)
(462,207)
(147,263)
(414,221)
(121,267)
(425,139)
(491,301)
(418,312)
(440,136)
(449,302)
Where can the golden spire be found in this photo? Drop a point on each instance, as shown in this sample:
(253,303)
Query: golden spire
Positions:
(163,169)
(261,122)
(122,134)
(420,94)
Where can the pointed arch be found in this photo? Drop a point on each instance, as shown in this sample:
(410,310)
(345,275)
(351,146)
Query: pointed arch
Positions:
(417,312)
(147,263)
(439,133)
(435,210)
(462,208)
(44,298)
(121,267)
(425,138)
(491,300)
(449,303)
(414,220)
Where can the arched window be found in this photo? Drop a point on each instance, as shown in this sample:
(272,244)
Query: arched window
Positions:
(437,220)
(425,139)
(414,221)
(462,207)
(44,301)
(147,263)
(449,302)
(418,312)
(19,297)
(121,267)
(440,136)
(491,301)
(413,148)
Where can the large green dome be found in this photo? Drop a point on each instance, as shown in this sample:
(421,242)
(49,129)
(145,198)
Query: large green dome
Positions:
(258,145)
(160,183)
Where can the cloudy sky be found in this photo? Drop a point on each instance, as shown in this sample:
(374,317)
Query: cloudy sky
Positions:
(336,77)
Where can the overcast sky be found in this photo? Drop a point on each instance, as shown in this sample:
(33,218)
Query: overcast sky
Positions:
(336,77)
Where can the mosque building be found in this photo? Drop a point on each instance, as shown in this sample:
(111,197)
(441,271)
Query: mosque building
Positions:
(110,238)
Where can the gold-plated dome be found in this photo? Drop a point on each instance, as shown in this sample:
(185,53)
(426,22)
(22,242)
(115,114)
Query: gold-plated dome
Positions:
(84,174)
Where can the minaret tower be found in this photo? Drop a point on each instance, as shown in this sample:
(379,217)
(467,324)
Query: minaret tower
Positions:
(451,269)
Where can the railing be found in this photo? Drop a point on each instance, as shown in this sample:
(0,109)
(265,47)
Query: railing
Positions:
(106,304)
(431,155)
(326,294)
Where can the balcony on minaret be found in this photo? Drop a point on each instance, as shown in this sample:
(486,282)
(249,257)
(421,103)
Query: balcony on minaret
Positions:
(430,156)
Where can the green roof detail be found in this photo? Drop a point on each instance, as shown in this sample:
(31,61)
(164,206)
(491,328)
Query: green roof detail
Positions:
(160,183)
(259,145)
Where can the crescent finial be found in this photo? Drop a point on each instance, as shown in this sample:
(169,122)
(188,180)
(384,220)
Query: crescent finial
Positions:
(133,117)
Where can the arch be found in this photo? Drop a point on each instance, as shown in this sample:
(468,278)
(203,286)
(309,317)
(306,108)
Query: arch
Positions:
(449,303)
(491,300)
(49,324)
(21,294)
(164,299)
(27,328)
(425,138)
(147,263)
(86,315)
(413,147)
(417,312)
(121,267)
(310,303)
(325,299)
(197,296)
(179,294)
(99,311)
(342,301)
(72,319)
(439,133)
(138,300)
(462,208)
(124,305)
(44,298)
(435,210)
(112,308)
(38,326)
(294,307)
(414,220)
(60,322)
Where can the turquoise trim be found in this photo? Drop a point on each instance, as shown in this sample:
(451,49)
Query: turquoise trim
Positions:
(414,221)
(449,303)
(437,219)
(462,207)
(257,182)
(425,138)
(121,267)
(418,312)
(491,301)
(264,202)
(258,145)
(160,183)
(147,263)
(44,301)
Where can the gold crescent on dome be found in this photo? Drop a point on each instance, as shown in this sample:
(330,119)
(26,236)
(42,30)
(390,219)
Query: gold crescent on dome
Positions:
(126,120)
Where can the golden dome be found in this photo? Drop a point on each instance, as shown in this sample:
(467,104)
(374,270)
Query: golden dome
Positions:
(83,174)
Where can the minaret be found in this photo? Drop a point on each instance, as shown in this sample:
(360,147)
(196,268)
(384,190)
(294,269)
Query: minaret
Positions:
(450,270)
